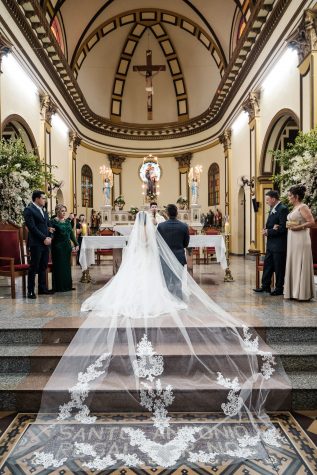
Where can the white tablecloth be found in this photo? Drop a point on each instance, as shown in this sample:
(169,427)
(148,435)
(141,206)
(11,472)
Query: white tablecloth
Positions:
(124,230)
(90,243)
(209,240)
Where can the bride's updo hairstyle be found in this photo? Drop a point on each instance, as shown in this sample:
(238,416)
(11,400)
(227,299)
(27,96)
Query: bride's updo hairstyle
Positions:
(298,190)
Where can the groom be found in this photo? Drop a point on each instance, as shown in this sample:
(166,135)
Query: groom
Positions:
(39,240)
(276,232)
(176,235)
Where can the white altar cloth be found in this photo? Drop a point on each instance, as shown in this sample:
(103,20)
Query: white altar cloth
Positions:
(211,240)
(124,230)
(91,243)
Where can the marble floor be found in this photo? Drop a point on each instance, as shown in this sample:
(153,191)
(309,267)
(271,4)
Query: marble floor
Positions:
(236,297)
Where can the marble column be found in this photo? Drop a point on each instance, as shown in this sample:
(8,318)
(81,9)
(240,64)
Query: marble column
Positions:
(74,143)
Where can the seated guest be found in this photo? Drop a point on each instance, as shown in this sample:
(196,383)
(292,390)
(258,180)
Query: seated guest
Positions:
(62,244)
(299,275)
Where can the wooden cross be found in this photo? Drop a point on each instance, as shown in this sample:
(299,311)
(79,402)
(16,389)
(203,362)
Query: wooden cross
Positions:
(149,68)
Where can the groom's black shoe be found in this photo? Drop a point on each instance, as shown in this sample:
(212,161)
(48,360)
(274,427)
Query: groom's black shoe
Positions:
(277,292)
(46,292)
(261,289)
(31,295)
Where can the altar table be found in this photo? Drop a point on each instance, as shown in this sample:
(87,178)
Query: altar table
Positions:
(117,243)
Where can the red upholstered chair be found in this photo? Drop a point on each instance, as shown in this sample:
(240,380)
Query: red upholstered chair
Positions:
(104,252)
(210,251)
(12,257)
(195,250)
(313,236)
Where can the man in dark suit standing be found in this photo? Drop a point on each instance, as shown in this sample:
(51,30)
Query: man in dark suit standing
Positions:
(176,235)
(39,240)
(276,246)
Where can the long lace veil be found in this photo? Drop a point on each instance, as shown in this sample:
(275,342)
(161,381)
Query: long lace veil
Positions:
(154,346)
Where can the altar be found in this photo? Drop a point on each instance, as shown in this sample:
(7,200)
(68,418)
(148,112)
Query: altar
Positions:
(91,243)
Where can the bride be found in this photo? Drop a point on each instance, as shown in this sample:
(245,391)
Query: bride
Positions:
(143,351)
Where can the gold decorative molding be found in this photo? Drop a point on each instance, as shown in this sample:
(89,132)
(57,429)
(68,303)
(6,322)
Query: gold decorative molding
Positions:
(184,161)
(74,142)
(116,162)
(252,105)
(304,38)
(48,108)
(225,140)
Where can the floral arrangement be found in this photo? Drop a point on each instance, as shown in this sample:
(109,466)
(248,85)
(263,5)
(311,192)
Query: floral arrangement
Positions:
(182,201)
(21,172)
(119,201)
(133,210)
(298,163)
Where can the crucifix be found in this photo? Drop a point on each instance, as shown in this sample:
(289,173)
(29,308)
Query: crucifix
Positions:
(149,68)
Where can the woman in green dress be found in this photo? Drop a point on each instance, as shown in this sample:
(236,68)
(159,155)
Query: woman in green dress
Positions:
(62,244)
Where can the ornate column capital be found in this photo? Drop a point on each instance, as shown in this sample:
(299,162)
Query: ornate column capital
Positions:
(5,47)
(116,162)
(184,161)
(252,105)
(48,108)
(225,139)
(74,142)
(304,38)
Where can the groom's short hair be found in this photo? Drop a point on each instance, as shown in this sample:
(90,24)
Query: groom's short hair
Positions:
(153,203)
(273,194)
(37,194)
(171,210)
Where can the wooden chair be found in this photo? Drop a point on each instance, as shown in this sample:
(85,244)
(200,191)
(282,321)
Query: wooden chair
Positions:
(104,252)
(195,250)
(209,251)
(313,236)
(12,257)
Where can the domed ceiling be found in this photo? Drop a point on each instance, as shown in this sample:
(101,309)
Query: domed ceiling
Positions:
(147,68)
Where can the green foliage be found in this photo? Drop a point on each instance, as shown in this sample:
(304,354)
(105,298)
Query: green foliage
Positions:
(133,210)
(182,201)
(298,165)
(20,173)
(119,200)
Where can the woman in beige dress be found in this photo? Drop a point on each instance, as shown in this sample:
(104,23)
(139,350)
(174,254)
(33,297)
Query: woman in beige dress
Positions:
(299,274)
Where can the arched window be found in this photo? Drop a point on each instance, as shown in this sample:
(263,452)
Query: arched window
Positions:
(86,187)
(213,185)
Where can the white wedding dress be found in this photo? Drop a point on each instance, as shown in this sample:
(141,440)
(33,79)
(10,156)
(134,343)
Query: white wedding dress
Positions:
(141,349)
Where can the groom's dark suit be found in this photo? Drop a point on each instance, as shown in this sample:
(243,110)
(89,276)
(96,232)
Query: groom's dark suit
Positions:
(276,246)
(37,224)
(176,235)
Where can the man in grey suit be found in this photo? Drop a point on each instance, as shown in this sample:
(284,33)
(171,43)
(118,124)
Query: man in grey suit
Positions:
(176,235)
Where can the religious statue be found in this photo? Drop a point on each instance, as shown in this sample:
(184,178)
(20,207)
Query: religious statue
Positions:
(218,218)
(151,180)
(193,181)
(107,183)
(93,222)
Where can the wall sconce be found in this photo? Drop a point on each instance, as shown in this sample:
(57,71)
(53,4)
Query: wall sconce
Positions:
(243,181)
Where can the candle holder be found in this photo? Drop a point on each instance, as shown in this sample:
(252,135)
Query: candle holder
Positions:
(86,277)
(228,276)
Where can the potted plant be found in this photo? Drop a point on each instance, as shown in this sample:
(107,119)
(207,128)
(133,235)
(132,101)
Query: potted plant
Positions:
(133,211)
(182,202)
(119,202)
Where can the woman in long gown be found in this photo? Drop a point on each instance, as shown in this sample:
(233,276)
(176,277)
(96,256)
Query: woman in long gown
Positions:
(61,250)
(141,349)
(299,274)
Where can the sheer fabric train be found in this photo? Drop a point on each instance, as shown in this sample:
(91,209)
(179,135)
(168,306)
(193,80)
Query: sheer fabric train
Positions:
(141,349)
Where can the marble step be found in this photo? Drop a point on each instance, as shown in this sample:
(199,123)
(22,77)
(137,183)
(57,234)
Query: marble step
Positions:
(120,394)
(19,358)
(62,330)
(177,357)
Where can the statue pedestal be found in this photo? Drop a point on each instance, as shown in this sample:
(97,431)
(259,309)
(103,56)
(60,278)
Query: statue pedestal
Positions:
(195,215)
(106,216)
